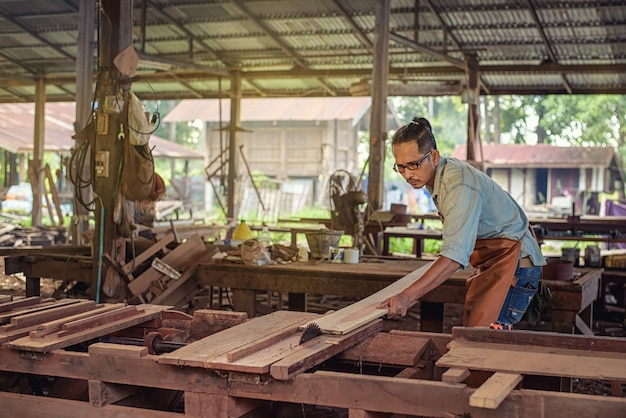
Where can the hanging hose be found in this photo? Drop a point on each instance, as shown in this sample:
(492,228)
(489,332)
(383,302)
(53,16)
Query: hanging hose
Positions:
(100,251)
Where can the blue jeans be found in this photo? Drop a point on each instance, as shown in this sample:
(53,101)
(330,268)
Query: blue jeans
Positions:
(520,295)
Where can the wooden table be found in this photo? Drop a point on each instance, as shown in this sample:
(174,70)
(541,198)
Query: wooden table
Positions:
(418,236)
(61,262)
(571,305)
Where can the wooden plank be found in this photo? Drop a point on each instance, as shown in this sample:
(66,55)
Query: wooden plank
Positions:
(202,405)
(6,317)
(57,310)
(261,343)
(455,375)
(119,350)
(21,303)
(320,349)
(357,314)
(45,406)
(540,361)
(412,373)
(102,393)
(147,253)
(584,328)
(16,333)
(209,321)
(491,393)
(385,348)
(188,272)
(98,319)
(210,352)
(55,195)
(538,338)
(48,328)
(147,313)
(178,258)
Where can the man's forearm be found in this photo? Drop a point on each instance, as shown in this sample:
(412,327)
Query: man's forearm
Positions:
(439,271)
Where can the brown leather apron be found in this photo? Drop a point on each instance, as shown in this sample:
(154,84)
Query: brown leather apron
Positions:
(495,261)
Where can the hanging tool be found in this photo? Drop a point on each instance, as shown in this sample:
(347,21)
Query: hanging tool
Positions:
(120,134)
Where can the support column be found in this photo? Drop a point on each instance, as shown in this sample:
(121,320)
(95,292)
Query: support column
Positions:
(235,116)
(118,35)
(84,97)
(471,96)
(378,118)
(35,166)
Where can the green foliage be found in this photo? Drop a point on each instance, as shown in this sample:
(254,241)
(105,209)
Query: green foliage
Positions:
(446,114)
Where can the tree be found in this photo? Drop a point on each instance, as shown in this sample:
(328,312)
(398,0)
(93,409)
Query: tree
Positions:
(446,114)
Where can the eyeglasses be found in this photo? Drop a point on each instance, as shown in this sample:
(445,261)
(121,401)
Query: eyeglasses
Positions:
(414,165)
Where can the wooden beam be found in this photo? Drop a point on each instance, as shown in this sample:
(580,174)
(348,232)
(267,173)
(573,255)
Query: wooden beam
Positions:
(102,394)
(494,390)
(455,375)
(537,361)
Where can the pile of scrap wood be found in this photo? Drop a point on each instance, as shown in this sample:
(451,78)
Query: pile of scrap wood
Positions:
(13,235)
(164,273)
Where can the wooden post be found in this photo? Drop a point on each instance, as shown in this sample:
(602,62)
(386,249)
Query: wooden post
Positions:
(235,116)
(84,97)
(471,95)
(115,35)
(36,165)
(378,117)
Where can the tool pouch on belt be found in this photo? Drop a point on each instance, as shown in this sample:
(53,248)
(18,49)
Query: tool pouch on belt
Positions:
(537,304)
(542,297)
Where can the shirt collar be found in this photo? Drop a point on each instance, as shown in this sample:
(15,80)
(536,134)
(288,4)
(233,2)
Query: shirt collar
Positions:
(434,191)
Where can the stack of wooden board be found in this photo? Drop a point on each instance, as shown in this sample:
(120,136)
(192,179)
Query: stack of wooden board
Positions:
(510,356)
(267,345)
(43,325)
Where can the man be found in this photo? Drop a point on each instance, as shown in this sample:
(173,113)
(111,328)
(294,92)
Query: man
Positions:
(483,226)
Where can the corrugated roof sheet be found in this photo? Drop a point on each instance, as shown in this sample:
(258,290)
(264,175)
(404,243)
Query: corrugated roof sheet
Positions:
(17,130)
(300,109)
(540,155)
(305,48)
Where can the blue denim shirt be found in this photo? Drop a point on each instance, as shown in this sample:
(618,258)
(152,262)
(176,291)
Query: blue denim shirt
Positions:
(474,206)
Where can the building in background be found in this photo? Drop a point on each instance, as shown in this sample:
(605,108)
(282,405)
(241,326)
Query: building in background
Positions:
(555,178)
(296,142)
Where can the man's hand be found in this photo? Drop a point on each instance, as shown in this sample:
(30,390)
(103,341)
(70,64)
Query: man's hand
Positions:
(398,305)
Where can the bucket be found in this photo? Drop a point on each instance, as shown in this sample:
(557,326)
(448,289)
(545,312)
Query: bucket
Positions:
(321,241)
(558,269)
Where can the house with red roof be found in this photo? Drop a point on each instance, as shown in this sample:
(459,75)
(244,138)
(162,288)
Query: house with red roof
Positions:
(544,174)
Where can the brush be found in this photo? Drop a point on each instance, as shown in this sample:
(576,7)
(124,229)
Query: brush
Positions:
(311,331)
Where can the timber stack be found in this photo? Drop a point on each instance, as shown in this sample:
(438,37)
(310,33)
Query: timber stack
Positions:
(62,358)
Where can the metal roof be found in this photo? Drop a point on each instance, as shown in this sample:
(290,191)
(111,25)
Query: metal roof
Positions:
(542,156)
(273,109)
(17,130)
(298,48)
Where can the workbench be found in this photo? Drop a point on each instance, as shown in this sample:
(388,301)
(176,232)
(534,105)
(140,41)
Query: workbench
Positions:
(571,306)
(60,262)
(218,364)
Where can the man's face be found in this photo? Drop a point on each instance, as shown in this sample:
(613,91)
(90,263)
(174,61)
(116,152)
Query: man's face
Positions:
(417,168)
